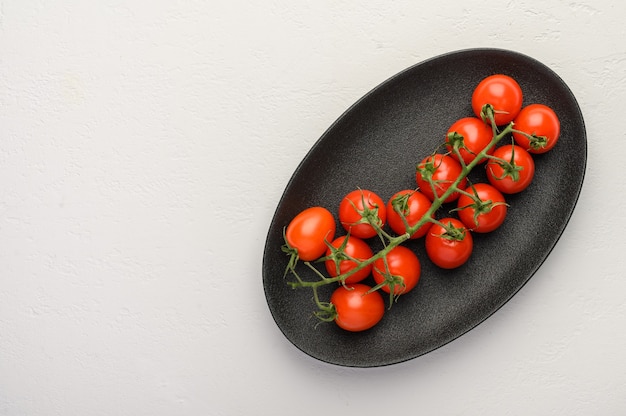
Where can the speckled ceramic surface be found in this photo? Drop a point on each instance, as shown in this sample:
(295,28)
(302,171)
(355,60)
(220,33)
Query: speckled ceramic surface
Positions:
(375,145)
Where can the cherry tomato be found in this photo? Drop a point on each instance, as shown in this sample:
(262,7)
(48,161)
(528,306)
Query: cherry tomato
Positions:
(514,176)
(356,309)
(343,261)
(503,93)
(539,121)
(446,249)
(403,266)
(358,210)
(443,170)
(308,231)
(485,214)
(412,205)
(473,134)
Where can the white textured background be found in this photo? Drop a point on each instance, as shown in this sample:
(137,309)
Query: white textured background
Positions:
(144,146)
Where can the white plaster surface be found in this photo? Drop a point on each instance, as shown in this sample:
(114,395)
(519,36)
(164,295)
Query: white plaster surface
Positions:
(144,146)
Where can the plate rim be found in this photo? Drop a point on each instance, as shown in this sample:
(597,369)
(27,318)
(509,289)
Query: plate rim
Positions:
(359,101)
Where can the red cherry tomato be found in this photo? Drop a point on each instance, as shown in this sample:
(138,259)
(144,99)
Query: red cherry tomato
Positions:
(412,205)
(353,249)
(403,266)
(307,232)
(443,171)
(473,134)
(540,122)
(449,250)
(358,210)
(503,93)
(485,214)
(356,309)
(515,175)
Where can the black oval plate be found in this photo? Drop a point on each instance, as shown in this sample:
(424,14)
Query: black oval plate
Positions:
(375,145)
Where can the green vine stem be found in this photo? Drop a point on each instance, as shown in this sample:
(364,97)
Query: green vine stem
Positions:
(326,310)
(534,141)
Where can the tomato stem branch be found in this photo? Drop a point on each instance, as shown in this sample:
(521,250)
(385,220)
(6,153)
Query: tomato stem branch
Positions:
(326,310)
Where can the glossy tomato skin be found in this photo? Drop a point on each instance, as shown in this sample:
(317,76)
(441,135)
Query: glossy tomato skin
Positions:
(356,309)
(444,170)
(402,262)
(503,93)
(539,120)
(522,159)
(446,253)
(355,248)
(309,230)
(476,136)
(417,204)
(350,218)
(493,216)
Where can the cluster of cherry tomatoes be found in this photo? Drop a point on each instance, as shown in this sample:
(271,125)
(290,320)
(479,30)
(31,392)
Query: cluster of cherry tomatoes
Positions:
(441,178)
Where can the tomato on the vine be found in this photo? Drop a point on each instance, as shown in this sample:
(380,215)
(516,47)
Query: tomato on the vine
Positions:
(485,211)
(503,93)
(307,233)
(355,308)
(496,102)
(514,172)
(441,171)
(410,205)
(472,135)
(449,247)
(541,123)
(342,260)
(359,210)
(402,272)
